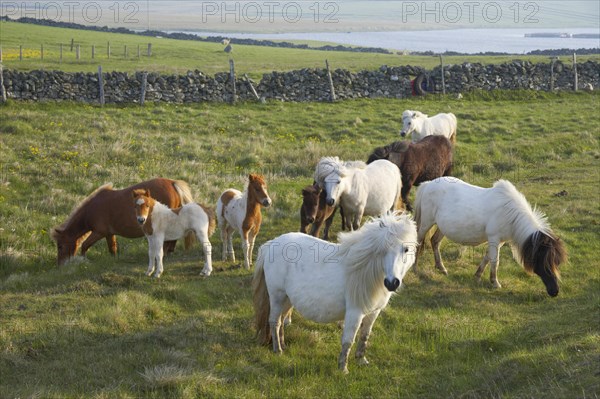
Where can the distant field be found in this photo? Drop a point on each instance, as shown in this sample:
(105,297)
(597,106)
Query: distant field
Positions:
(176,56)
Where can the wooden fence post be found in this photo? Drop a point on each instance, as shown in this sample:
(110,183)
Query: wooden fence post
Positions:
(232,78)
(42,52)
(149,49)
(20,52)
(331,88)
(61,53)
(100,85)
(443,77)
(93,51)
(125,51)
(78,52)
(251,87)
(143,88)
(108,50)
(72,44)
(575,77)
(2,90)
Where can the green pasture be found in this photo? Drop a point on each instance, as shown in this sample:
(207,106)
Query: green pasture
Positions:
(179,56)
(99,328)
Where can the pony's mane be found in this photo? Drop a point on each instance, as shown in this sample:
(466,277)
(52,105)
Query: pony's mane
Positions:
(529,224)
(365,248)
(75,212)
(384,152)
(519,212)
(326,166)
(256,177)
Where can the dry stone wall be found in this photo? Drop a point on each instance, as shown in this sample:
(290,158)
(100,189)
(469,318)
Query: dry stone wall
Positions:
(300,85)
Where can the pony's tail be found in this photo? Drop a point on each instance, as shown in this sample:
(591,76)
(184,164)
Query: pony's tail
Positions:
(184,191)
(453,136)
(186,197)
(262,305)
(417,218)
(212,220)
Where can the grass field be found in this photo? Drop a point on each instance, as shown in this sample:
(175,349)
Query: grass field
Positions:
(100,328)
(176,56)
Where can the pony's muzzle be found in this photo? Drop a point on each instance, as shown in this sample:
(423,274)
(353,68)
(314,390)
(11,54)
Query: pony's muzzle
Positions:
(391,285)
(402,133)
(266,202)
(141,219)
(330,201)
(310,219)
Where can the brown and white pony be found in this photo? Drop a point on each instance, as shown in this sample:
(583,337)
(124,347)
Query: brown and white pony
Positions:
(161,223)
(108,212)
(241,211)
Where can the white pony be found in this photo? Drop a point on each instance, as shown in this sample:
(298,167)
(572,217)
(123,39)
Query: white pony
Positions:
(370,190)
(421,126)
(351,281)
(241,211)
(160,223)
(472,215)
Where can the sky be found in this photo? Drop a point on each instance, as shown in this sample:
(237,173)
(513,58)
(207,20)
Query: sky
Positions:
(314,15)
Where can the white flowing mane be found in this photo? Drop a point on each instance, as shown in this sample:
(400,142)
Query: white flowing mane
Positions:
(330,165)
(363,252)
(519,213)
(524,219)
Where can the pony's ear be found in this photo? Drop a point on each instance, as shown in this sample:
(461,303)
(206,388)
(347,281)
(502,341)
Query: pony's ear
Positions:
(56,233)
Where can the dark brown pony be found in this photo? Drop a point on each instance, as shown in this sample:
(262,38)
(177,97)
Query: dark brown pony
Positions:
(315,211)
(425,160)
(108,212)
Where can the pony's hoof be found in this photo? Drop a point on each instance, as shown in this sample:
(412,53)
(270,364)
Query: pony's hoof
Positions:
(345,371)
(204,274)
(496,284)
(363,361)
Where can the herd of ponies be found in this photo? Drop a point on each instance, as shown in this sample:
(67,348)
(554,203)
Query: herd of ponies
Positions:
(351,280)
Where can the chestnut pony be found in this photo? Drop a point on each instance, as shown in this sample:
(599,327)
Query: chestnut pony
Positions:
(241,211)
(108,212)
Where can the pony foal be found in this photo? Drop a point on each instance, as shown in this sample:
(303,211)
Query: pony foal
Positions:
(472,215)
(351,281)
(241,211)
(314,212)
(160,223)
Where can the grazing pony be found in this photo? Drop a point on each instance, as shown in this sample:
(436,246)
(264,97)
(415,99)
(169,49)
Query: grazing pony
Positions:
(351,281)
(472,215)
(241,212)
(370,190)
(315,211)
(420,125)
(107,212)
(161,223)
(418,162)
